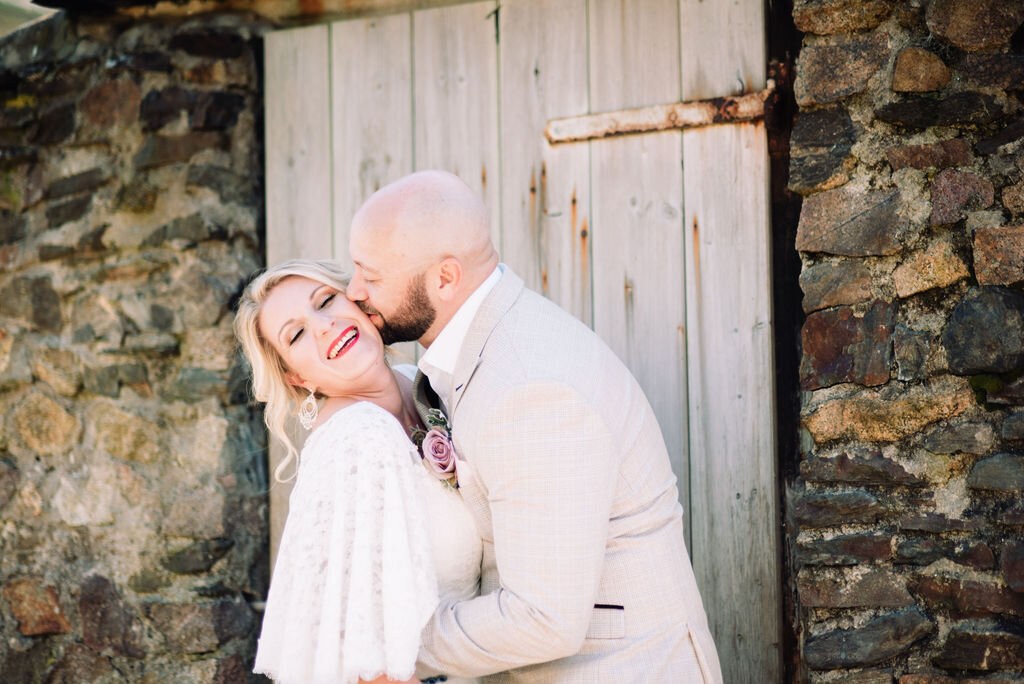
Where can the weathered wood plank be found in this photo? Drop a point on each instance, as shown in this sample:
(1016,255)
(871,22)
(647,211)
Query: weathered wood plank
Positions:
(731,376)
(455,86)
(298,168)
(371,95)
(693,114)
(731,390)
(723,47)
(298,152)
(639,305)
(636,193)
(545,191)
(634,48)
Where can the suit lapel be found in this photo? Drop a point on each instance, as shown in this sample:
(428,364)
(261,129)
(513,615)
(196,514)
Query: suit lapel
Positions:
(424,396)
(498,301)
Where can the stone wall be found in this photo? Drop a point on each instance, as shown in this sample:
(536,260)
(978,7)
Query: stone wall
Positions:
(906,518)
(132,477)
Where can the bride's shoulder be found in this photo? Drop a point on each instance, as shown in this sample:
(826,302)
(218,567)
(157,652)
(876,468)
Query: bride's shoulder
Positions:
(358,433)
(357,415)
(357,423)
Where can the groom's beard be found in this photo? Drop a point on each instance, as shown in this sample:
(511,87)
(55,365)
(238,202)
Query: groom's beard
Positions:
(412,319)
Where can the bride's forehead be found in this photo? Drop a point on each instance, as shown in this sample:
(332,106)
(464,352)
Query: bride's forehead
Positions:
(292,291)
(285,299)
(294,284)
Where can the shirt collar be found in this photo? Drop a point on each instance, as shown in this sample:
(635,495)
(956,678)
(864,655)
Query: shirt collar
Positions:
(443,354)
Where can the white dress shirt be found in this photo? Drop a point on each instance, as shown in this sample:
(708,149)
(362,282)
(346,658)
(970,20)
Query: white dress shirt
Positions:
(438,362)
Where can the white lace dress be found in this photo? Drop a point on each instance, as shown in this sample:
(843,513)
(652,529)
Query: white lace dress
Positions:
(371,543)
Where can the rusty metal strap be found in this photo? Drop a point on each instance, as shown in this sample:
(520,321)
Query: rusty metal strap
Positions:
(717,110)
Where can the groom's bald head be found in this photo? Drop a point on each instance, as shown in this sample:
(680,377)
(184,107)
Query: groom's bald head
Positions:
(430,214)
(428,225)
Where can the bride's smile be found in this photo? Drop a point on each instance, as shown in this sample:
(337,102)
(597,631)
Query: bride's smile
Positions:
(343,342)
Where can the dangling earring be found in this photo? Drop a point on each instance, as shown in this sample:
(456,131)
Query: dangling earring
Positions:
(308,411)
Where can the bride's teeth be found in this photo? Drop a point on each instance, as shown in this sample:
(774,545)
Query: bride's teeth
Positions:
(333,351)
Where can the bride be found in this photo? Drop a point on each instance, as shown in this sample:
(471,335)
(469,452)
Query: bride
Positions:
(374,537)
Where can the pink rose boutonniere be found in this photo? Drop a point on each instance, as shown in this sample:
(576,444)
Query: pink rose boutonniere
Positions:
(436,448)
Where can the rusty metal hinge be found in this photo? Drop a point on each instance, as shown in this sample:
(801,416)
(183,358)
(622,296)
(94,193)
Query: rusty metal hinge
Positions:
(716,110)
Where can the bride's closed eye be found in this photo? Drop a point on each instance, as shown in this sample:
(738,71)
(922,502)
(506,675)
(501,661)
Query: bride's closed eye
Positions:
(323,304)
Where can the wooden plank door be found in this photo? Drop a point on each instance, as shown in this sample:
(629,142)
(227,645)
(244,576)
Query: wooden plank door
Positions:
(658,241)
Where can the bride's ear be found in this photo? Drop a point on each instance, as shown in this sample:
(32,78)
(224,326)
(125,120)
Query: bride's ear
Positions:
(295,379)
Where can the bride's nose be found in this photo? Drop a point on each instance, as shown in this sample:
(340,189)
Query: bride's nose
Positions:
(324,324)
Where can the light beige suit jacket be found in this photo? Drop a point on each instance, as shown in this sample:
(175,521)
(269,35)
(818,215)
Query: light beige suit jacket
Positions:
(585,575)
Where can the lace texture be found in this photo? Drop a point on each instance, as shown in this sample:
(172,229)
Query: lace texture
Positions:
(354,582)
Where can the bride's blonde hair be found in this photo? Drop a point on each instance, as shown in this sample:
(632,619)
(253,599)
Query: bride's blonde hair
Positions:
(269,384)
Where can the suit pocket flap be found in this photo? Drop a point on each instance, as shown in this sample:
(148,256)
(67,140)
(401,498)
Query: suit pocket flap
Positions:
(607,622)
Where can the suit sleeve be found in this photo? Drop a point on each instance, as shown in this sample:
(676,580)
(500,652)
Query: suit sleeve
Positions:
(550,469)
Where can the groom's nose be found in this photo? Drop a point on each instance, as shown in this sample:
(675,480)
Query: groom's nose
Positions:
(356,290)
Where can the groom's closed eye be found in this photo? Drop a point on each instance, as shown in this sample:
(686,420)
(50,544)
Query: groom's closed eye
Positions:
(369,275)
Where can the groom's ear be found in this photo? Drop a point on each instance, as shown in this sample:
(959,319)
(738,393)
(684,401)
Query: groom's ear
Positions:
(449,278)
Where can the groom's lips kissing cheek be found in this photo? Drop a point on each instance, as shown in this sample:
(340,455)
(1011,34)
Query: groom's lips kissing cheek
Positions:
(343,342)
(372,314)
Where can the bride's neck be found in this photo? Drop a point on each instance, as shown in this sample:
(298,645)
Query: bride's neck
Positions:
(384,390)
(390,397)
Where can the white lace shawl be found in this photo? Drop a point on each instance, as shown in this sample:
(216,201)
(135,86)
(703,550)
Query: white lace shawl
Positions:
(354,581)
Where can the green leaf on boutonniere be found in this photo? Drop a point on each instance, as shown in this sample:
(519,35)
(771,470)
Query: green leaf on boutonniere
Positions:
(435,418)
(416,435)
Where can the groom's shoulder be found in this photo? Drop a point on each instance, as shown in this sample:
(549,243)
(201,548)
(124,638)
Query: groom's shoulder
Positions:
(540,338)
(523,301)
(545,318)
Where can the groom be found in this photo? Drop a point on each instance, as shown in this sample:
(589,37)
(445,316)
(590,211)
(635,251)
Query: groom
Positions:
(585,576)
